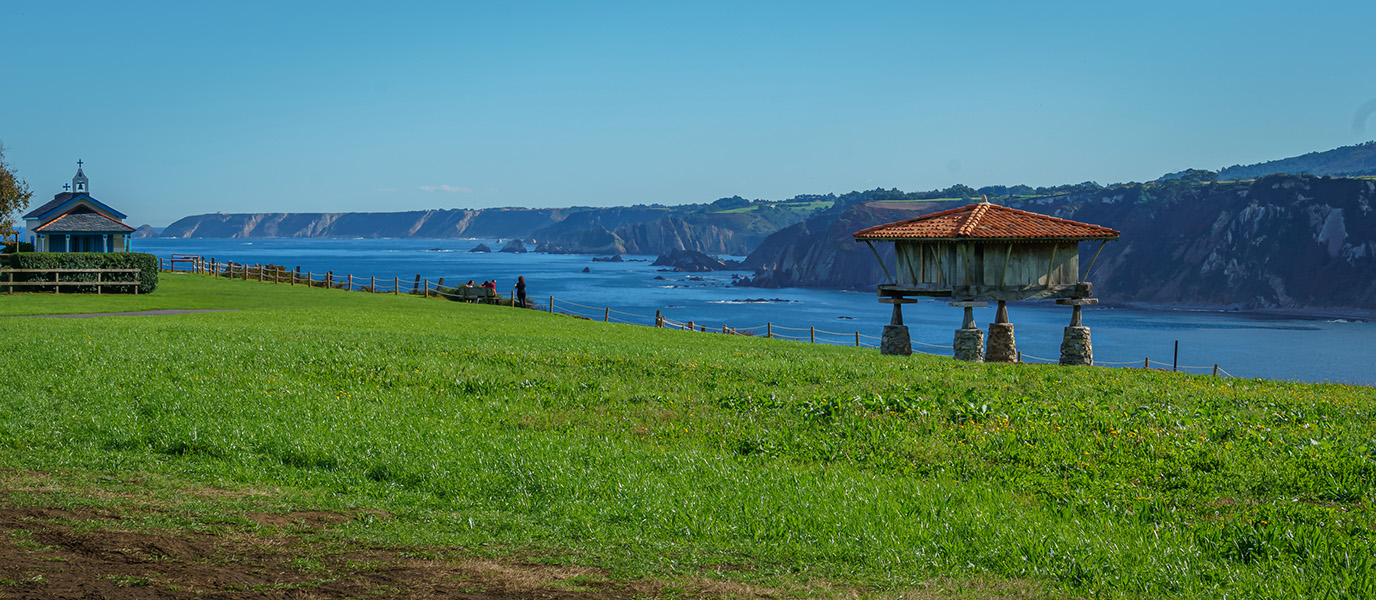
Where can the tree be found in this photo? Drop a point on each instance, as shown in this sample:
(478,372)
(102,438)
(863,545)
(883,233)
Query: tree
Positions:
(14,194)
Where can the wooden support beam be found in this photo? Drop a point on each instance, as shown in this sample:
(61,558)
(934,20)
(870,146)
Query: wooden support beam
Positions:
(881,261)
(1092,259)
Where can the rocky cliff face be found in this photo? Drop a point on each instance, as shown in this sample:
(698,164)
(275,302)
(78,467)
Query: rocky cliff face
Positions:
(499,222)
(1280,242)
(710,233)
(578,230)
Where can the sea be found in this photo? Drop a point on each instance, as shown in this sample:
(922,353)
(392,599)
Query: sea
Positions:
(1242,345)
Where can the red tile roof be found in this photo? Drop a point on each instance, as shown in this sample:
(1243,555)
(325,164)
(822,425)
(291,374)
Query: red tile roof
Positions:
(986,221)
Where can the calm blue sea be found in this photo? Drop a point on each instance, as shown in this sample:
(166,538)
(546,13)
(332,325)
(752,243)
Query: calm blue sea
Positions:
(1243,345)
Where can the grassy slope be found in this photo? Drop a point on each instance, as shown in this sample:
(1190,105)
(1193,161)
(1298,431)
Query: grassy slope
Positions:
(660,452)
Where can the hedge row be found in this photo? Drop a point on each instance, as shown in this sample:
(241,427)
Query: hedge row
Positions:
(146,263)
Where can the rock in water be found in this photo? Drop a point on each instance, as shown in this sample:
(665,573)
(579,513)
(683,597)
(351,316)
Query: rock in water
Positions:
(515,246)
(691,261)
(481,248)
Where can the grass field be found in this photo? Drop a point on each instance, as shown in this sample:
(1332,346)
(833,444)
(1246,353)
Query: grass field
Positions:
(801,207)
(662,455)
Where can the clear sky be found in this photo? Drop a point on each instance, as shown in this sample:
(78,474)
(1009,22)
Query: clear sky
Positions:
(184,108)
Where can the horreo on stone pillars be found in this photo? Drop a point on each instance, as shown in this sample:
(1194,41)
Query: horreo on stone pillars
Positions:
(984,252)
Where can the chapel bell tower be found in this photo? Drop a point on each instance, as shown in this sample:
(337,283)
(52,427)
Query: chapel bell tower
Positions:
(80,185)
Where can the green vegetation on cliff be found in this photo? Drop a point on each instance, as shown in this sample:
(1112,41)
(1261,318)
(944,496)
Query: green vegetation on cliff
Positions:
(659,453)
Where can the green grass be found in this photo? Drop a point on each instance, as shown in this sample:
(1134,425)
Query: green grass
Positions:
(920,200)
(661,453)
(801,207)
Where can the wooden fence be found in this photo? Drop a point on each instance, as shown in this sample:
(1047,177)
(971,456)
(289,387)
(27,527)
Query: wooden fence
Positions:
(424,287)
(57,283)
(420,286)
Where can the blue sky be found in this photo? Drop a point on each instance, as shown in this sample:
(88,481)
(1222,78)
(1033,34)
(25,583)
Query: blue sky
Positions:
(184,108)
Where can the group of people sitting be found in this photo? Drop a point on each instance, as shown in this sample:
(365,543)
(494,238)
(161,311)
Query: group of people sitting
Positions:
(519,298)
(486,284)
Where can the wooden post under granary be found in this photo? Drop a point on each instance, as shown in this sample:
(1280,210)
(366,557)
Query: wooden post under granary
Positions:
(985,252)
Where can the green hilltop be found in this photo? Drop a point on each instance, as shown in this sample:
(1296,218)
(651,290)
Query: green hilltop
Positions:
(464,431)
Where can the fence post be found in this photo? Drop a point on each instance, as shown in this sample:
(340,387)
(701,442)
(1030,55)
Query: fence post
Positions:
(659,319)
(351,282)
(607,314)
(261,268)
(551,305)
(1175,360)
(396,285)
(812,331)
(1146,363)
(857,339)
(310,279)
(1215,369)
(691,327)
(769,330)
(329,279)
(372,284)
(427,288)
(416,286)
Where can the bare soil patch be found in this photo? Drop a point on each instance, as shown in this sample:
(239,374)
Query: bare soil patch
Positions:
(55,545)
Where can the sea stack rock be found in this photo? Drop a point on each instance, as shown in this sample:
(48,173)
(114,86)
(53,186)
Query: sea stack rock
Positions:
(515,246)
(481,248)
(692,261)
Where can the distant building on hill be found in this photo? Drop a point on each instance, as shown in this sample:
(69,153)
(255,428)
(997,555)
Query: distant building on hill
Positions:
(74,221)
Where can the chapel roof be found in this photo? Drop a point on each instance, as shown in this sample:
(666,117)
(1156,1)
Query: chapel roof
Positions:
(51,204)
(82,219)
(65,198)
(984,220)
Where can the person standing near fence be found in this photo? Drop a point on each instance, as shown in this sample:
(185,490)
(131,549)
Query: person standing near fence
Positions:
(521,291)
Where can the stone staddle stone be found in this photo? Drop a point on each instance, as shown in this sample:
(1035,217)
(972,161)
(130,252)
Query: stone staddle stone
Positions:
(1002,346)
(896,341)
(969,345)
(1076,348)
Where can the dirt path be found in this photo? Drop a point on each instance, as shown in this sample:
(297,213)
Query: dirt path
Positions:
(168,311)
(62,553)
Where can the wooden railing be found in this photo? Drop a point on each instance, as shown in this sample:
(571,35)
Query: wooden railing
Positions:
(57,283)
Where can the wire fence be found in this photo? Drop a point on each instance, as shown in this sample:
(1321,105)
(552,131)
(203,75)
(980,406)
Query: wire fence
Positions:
(424,287)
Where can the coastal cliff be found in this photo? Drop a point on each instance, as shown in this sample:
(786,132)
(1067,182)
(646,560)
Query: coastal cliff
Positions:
(1280,242)
(577,230)
(497,222)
